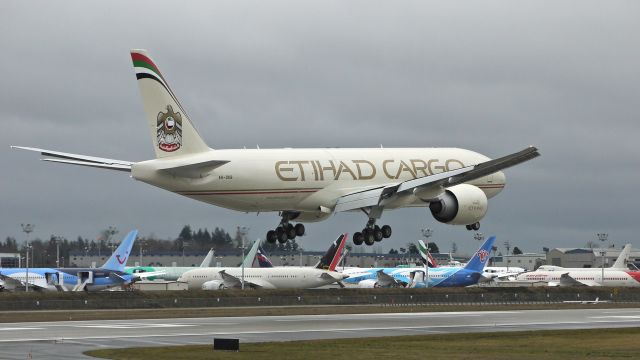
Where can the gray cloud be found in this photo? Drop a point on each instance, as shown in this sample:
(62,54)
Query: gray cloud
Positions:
(492,77)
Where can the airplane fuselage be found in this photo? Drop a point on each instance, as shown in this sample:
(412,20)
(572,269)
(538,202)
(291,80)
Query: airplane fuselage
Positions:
(306,180)
(612,277)
(289,277)
(65,277)
(437,277)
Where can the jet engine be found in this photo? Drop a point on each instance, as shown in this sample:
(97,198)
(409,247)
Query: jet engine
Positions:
(213,285)
(368,284)
(462,204)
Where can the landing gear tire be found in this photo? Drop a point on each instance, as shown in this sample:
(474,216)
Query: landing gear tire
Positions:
(377,234)
(369,237)
(282,235)
(358,238)
(272,237)
(474,227)
(300,230)
(291,232)
(386,231)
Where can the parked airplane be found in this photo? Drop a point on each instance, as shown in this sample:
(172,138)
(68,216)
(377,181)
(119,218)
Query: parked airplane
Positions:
(304,185)
(417,276)
(596,301)
(173,273)
(616,275)
(77,279)
(277,277)
(488,274)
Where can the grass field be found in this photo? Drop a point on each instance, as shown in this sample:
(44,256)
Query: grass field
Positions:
(570,344)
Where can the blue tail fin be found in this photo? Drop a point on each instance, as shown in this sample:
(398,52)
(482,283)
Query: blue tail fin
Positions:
(118,259)
(480,258)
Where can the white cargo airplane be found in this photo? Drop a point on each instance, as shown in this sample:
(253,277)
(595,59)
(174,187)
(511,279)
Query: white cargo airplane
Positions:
(304,185)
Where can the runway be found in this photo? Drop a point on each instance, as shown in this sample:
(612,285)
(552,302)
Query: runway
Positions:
(68,339)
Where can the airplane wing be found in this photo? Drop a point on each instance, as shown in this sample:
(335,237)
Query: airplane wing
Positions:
(380,195)
(385,280)
(15,283)
(568,280)
(84,160)
(147,274)
(231,281)
(117,278)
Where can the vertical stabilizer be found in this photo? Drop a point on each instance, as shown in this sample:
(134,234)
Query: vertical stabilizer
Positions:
(480,258)
(330,259)
(263,260)
(621,261)
(251,255)
(425,255)
(207,259)
(172,132)
(118,259)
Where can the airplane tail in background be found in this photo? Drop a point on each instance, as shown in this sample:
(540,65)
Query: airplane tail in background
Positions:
(250,258)
(425,255)
(480,258)
(263,260)
(118,259)
(331,258)
(171,130)
(207,259)
(622,258)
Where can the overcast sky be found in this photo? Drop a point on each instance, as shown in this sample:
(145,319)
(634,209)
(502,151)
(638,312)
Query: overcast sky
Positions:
(492,76)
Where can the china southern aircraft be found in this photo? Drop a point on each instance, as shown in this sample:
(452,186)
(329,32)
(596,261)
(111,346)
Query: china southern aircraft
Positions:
(277,277)
(304,185)
(417,277)
(109,275)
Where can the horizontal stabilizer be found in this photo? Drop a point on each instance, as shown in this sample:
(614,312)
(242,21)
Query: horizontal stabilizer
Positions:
(83,160)
(117,278)
(192,170)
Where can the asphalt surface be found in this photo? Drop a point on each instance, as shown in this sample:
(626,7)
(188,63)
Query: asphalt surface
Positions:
(68,339)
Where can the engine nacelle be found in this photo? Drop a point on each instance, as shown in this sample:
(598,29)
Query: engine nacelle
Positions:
(462,204)
(368,284)
(213,285)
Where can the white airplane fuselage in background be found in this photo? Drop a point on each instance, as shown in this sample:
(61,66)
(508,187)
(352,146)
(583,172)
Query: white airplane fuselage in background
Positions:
(280,277)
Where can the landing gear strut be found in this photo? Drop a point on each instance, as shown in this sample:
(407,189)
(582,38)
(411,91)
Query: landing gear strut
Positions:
(474,227)
(285,230)
(372,233)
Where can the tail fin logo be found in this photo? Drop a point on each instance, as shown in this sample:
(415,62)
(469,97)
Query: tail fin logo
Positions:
(482,254)
(121,261)
(169,130)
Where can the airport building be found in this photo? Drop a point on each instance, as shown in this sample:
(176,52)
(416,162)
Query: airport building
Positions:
(527,261)
(10,260)
(588,257)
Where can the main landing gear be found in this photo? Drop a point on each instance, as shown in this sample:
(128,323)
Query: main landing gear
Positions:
(372,233)
(473,227)
(285,231)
